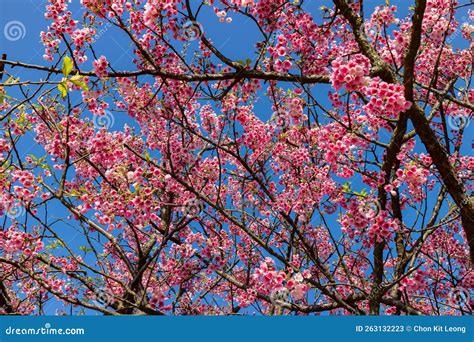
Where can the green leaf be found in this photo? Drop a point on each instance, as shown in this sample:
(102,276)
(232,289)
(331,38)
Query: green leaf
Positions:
(245,62)
(85,249)
(346,187)
(77,80)
(55,244)
(67,66)
(12,80)
(4,96)
(62,87)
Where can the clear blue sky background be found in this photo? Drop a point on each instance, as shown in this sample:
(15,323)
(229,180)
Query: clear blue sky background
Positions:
(236,40)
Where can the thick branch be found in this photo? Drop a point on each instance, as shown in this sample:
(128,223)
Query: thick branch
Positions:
(242,74)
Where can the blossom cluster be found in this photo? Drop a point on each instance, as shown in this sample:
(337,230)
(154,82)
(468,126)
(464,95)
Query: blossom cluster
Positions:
(350,73)
(100,66)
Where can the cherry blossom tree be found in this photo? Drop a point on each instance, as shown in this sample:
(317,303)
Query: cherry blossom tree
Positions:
(329,171)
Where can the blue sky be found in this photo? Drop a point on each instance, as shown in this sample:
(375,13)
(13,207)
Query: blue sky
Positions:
(236,40)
